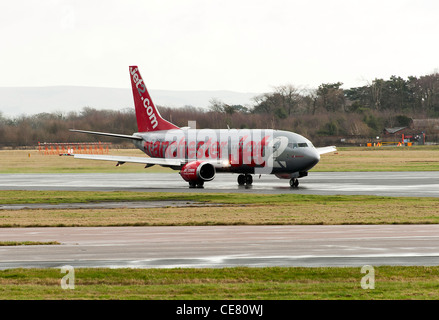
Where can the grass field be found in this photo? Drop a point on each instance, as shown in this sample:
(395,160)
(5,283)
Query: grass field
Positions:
(32,161)
(222,284)
(223,209)
(415,158)
(419,158)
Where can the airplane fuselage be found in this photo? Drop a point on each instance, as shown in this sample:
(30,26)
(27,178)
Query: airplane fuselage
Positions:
(247,151)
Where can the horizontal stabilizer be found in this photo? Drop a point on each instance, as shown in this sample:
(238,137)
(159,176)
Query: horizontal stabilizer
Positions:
(116,135)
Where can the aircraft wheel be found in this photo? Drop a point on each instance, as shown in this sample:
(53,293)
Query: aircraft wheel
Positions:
(248,179)
(200,184)
(241,179)
(294,183)
(192,184)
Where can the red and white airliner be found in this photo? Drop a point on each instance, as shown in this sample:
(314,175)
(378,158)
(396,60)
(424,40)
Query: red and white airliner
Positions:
(200,153)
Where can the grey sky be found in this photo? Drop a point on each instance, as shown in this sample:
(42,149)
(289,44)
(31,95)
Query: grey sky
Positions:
(240,45)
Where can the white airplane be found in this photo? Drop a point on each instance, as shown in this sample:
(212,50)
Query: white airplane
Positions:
(200,153)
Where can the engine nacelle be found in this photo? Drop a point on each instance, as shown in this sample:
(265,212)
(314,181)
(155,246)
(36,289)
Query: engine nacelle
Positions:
(197,171)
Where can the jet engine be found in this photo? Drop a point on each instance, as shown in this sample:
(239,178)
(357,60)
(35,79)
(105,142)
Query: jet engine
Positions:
(197,172)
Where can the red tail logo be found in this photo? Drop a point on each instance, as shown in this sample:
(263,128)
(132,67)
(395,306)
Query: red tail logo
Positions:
(148,117)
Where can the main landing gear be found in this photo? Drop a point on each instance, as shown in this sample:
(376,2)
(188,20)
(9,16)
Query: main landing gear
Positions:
(294,182)
(245,179)
(196,184)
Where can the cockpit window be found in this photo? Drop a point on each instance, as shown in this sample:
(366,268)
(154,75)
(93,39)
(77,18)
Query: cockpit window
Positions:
(292,145)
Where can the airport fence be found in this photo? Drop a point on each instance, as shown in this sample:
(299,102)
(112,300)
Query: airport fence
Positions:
(54,148)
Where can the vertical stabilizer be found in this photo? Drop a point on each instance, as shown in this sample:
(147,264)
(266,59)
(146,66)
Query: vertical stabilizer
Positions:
(148,117)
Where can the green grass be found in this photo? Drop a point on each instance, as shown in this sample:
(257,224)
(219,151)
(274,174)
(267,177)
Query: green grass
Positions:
(218,209)
(228,283)
(32,161)
(354,159)
(56,197)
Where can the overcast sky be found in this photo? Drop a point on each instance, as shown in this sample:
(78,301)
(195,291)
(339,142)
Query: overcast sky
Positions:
(239,45)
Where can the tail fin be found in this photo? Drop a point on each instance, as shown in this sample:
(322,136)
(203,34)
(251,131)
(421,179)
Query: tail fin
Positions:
(148,117)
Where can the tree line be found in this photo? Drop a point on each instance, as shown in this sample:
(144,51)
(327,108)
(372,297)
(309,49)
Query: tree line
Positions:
(320,113)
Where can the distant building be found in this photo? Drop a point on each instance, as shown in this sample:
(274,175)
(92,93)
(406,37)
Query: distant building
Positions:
(432,125)
(403,135)
(429,128)
(396,130)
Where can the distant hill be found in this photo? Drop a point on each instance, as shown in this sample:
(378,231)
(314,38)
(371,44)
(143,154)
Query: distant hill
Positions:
(32,100)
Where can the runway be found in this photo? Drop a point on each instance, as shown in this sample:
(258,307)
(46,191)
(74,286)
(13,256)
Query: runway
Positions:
(223,246)
(394,184)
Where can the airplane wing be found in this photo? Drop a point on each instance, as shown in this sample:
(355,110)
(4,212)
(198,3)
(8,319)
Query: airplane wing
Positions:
(217,163)
(142,160)
(326,149)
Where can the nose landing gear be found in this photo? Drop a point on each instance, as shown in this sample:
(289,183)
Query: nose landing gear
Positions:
(294,182)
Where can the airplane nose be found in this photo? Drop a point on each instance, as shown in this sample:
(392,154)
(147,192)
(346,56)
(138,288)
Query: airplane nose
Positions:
(313,158)
(316,155)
